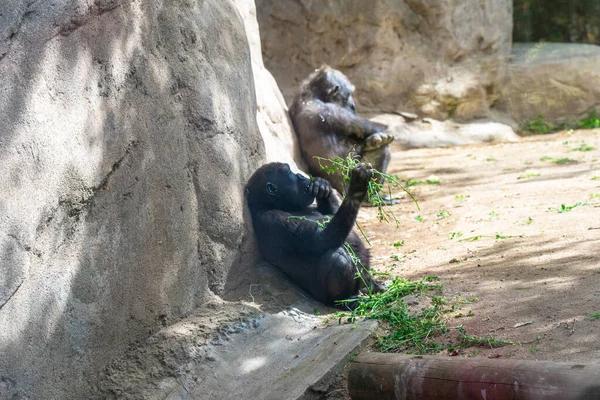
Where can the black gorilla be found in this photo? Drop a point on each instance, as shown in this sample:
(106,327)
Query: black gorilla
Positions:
(325,120)
(292,236)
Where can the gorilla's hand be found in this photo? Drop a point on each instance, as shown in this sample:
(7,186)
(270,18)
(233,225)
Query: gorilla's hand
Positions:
(361,174)
(320,188)
(377,140)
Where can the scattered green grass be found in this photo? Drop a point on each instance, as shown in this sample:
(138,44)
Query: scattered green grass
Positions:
(477,237)
(397,257)
(528,175)
(398,244)
(494,214)
(534,349)
(591,122)
(539,125)
(546,158)
(595,195)
(522,288)
(564,160)
(422,332)
(443,214)
(529,221)
(565,208)
(583,147)
(490,159)
(418,218)
(374,189)
(461,197)
(454,235)
(466,340)
(432,180)
(593,316)
(595,178)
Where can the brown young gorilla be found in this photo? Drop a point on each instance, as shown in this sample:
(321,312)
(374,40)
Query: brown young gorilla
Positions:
(288,236)
(325,120)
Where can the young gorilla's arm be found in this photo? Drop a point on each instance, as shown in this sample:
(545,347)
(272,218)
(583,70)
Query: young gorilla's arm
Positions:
(344,121)
(337,230)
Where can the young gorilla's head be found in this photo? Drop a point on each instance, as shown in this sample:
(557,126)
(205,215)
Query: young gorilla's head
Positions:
(331,86)
(275,187)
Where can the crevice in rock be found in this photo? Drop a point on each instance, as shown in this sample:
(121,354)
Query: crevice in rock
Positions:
(73,208)
(13,293)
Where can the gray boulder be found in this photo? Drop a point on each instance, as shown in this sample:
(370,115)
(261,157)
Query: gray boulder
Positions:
(127,133)
(427,132)
(559,81)
(437,58)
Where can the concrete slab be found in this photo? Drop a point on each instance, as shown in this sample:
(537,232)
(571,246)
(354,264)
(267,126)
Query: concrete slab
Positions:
(234,351)
(289,356)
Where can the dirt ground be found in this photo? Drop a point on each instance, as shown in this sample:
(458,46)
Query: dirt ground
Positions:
(491,230)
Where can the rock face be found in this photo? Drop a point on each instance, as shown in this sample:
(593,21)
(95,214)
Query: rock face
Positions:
(274,123)
(559,81)
(439,58)
(127,133)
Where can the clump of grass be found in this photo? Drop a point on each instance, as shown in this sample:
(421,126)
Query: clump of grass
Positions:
(565,208)
(454,235)
(591,122)
(475,238)
(398,244)
(583,147)
(546,158)
(564,160)
(432,180)
(443,214)
(539,125)
(593,316)
(374,189)
(466,340)
(528,175)
(407,331)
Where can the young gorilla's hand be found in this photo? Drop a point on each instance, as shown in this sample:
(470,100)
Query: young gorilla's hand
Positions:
(361,174)
(320,188)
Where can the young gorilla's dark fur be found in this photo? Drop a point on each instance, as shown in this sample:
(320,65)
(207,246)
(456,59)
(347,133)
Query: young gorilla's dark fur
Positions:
(312,256)
(325,120)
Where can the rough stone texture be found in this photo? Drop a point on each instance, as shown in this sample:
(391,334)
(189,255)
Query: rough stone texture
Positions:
(559,81)
(231,351)
(429,132)
(127,133)
(273,121)
(438,58)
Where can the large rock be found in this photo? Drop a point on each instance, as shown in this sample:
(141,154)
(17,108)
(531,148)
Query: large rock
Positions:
(275,126)
(429,132)
(442,58)
(127,133)
(559,81)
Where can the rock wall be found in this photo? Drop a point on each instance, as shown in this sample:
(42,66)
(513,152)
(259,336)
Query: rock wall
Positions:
(442,58)
(127,133)
(558,81)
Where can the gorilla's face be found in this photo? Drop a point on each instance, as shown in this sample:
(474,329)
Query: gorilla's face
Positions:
(274,186)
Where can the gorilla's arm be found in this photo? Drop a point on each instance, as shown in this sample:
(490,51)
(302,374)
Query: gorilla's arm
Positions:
(343,121)
(334,234)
